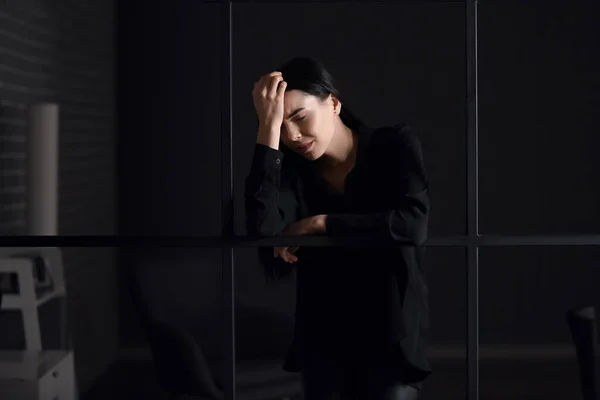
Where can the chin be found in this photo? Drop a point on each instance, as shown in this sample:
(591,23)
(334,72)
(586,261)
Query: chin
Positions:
(313,155)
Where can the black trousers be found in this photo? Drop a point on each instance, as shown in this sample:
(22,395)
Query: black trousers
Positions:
(328,380)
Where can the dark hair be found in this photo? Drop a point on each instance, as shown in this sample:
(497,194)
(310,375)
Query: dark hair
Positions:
(311,77)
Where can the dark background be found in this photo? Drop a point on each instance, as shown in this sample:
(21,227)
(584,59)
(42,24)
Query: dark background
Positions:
(138,86)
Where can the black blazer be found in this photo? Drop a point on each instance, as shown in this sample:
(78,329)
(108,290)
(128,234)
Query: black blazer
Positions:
(353,303)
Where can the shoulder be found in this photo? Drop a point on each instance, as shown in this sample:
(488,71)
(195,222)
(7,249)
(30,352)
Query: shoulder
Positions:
(399,148)
(399,138)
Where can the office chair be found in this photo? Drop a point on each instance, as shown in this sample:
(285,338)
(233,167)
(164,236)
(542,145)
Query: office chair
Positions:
(582,323)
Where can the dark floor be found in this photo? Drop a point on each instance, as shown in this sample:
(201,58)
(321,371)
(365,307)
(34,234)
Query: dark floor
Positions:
(499,380)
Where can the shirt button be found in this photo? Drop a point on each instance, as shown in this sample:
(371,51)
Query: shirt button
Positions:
(278,161)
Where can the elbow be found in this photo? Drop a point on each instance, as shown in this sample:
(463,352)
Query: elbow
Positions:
(419,237)
(416,218)
(257,221)
(412,229)
(420,229)
(263,219)
(420,223)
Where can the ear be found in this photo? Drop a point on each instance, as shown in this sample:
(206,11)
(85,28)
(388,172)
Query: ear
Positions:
(337,104)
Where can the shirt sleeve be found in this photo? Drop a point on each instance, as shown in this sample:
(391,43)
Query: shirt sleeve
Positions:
(264,216)
(406,220)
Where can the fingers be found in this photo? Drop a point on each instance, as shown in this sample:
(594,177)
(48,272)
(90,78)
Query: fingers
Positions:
(266,78)
(271,89)
(281,89)
(288,257)
(268,85)
(286,254)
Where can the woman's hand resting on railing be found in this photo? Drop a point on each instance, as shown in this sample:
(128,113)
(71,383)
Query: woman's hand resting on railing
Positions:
(308,226)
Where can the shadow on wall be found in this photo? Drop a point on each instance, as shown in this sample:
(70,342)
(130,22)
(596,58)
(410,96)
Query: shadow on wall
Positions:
(183,287)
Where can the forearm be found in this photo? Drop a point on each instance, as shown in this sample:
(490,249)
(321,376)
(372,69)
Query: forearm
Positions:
(268,136)
(263,184)
(404,225)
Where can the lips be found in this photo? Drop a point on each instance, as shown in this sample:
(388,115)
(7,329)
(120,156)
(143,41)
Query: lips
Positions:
(303,148)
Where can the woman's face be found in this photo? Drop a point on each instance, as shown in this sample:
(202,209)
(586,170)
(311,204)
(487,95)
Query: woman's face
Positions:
(309,123)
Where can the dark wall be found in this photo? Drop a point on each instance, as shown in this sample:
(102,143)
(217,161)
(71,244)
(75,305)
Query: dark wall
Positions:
(63,52)
(395,62)
(169,118)
(538,106)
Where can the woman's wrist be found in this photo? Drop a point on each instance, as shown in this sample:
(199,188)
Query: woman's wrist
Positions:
(268,136)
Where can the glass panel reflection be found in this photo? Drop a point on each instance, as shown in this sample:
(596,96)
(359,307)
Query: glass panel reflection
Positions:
(176,297)
(526,346)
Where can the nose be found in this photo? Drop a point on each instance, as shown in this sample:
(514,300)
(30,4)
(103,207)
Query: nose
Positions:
(293,135)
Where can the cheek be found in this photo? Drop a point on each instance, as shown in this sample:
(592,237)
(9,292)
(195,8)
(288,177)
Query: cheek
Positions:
(311,128)
(318,128)
(324,129)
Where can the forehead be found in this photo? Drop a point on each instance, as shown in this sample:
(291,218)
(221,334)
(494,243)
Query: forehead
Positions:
(294,99)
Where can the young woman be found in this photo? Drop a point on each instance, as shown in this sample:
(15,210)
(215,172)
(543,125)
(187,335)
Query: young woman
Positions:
(361,313)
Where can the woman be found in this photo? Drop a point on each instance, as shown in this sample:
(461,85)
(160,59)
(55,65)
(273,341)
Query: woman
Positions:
(361,313)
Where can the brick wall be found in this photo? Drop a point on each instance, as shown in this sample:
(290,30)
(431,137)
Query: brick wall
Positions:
(62,51)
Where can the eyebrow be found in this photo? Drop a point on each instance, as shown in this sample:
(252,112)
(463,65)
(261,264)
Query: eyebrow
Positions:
(296,111)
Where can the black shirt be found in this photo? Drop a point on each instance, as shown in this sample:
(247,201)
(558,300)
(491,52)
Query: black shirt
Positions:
(353,304)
